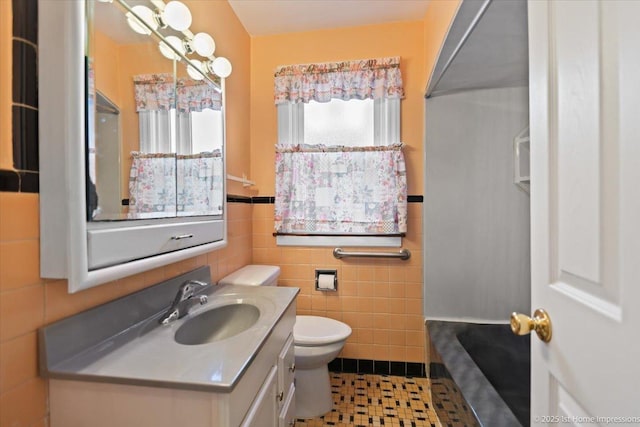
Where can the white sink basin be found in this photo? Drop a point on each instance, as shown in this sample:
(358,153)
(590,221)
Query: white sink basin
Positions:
(217,324)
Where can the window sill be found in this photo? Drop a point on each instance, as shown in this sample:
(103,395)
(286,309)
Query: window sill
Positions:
(351,241)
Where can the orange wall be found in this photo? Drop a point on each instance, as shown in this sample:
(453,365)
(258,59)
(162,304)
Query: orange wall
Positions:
(437,21)
(6,27)
(134,59)
(28,301)
(232,42)
(404,39)
(107,63)
(380,299)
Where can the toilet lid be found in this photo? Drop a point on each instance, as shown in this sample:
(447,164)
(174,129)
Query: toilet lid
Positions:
(314,330)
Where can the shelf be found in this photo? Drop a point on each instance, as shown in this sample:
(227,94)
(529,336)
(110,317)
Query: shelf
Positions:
(521,157)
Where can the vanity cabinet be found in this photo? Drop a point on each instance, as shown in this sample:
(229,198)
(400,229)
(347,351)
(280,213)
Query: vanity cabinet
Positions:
(286,385)
(275,400)
(264,396)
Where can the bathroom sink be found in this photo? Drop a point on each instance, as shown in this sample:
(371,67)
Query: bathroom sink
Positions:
(217,324)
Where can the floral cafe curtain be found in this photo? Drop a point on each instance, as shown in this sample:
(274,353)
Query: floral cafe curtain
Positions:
(152,185)
(200,184)
(156,190)
(160,92)
(362,79)
(335,189)
(340,190)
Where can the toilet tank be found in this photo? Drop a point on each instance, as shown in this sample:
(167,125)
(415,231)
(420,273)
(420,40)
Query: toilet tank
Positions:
(253,275)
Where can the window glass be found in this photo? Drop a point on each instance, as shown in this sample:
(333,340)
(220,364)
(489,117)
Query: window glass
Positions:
(206,130)
(338,122)
(200,131)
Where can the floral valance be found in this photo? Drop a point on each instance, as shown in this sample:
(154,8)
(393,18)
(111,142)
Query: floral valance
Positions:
(360,79)
(160,92)
(340,190)
(154,92)
(195,95)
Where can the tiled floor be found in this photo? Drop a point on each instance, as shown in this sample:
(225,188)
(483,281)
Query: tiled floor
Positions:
(375,400)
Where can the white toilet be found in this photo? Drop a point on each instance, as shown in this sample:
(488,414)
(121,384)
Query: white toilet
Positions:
(317,341)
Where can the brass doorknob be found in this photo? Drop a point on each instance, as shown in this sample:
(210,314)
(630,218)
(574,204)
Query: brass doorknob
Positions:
(521,324)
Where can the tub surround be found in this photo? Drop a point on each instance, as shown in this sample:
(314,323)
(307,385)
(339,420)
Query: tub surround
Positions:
(487,404)
(122,341)
(496,350)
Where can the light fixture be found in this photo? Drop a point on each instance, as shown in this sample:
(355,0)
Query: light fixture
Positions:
(176,15)
(196,74)
(221,67)
(203,44)
(169,53)
(141,13)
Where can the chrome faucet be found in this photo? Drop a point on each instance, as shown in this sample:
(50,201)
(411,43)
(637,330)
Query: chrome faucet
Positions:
(184,300)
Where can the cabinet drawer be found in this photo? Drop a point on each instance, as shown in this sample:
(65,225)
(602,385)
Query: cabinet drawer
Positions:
(111,246)
(286,369)
(287,416)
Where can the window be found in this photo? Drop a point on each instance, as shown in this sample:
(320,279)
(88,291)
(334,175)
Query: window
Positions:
(339,122)
(183,133)
(340,172)
(353,123)
(206,130)
(180,116)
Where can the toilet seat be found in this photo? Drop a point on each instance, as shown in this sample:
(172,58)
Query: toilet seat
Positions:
(316,330)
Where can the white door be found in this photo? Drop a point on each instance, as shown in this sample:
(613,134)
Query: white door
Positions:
(585,207)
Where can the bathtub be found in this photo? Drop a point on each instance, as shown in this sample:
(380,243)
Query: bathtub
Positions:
(489,365)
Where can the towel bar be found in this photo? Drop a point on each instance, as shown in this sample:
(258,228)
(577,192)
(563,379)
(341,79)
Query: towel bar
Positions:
(245,182)
(404,254)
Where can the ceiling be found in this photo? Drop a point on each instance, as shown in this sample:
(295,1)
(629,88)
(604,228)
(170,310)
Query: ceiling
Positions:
(266,17)
(285,16)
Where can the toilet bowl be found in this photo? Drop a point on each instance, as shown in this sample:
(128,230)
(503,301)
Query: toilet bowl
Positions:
(317,341)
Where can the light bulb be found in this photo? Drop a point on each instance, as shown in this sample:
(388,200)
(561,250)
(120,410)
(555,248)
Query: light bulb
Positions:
(195,73)
(145,14)
(221,66)
(177,15)
(203,44)
(167,52)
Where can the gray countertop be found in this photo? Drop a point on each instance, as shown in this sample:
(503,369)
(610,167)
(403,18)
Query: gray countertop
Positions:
(145,353)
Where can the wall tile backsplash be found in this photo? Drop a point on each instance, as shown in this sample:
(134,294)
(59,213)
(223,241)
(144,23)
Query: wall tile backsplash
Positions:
(25,20)
(25,138)
(381,299)
(24,100)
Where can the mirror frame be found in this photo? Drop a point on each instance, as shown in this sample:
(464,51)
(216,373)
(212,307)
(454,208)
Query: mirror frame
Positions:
(64,238)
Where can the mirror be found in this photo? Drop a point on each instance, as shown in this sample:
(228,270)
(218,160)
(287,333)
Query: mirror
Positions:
(93,84)
(155,122)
